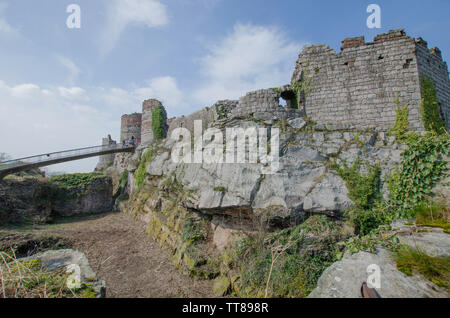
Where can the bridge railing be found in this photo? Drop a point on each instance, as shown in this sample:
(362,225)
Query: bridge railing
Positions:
(60,155)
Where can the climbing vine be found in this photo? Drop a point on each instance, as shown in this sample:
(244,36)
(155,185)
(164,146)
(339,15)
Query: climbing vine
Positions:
(430,107)
(422,166)
(158,122)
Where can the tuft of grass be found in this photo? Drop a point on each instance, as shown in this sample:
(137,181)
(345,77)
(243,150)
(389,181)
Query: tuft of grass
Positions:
(193,231)
(433,214)
(286,263)
(413,261)
(27,279)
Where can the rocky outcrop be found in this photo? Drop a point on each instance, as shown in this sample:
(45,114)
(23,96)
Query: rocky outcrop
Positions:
(344,279)
(305,182)
(26,200)
(74,262)
(37,200)
(93,197)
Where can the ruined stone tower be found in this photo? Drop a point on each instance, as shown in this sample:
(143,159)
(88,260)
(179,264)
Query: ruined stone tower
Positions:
(106,160)
(147,112)
(360,85)
(131,127)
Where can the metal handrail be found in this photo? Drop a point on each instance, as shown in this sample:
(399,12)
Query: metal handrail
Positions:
(60,155)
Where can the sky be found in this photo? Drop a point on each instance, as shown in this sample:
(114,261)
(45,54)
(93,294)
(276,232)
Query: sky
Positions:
(63,88)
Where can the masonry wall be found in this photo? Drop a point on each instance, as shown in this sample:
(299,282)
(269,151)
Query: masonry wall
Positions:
(207,115)
(431,65)
(263,104)
(130,126)
(359,85)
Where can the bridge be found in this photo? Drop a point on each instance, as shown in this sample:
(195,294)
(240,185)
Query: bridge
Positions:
(22,164)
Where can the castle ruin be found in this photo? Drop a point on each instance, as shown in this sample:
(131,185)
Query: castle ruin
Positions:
(358,88)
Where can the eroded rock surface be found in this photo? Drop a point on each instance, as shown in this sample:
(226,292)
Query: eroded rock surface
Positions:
(344,279)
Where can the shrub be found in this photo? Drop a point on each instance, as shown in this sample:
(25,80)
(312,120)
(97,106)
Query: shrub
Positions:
(363,188)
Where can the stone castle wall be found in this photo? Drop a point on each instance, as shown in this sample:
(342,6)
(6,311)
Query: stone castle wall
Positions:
(431,65)
(360,84)
(130,127)
(357,87)
(207,115)
(263,104)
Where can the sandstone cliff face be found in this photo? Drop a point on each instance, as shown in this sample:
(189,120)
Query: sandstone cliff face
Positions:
(305,184)
(33,200)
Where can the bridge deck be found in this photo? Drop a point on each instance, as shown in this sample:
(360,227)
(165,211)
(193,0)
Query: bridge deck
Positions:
(16,165)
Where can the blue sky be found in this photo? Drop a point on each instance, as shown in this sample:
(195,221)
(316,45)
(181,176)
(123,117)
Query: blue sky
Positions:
(62,88)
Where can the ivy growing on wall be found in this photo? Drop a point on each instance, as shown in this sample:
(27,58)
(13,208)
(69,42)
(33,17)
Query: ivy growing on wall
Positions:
(158,123)
(422,166)
(430,107)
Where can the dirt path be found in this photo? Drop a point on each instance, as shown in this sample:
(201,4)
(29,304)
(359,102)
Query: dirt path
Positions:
(123,255)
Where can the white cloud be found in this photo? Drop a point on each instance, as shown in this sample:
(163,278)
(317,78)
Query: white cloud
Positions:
(39,120)
(70,66)
(122,13)
(250,57)
(166,90)
(5,27)
(73,93)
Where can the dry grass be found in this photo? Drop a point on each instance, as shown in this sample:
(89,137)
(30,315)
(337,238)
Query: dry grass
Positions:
(413,261)
(26,279)
(434,214)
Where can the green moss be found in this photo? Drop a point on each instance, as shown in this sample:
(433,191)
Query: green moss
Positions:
(430,107)
(220,189)
(413,261)
(158,123)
